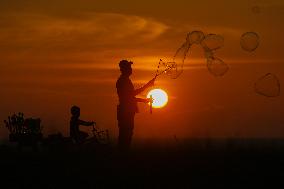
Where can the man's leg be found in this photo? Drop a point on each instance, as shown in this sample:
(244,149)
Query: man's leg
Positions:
(129,134)
(125,132)
(122,139)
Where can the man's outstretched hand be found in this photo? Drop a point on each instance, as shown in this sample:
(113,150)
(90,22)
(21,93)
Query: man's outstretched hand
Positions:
(145,100)
(149,100)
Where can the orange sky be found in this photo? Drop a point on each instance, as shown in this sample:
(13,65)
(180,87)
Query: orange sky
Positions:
(54,55)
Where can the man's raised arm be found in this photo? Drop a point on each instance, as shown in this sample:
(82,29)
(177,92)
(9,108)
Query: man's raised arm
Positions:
(140,90)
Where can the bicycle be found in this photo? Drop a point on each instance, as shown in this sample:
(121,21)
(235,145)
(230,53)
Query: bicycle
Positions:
(99,136)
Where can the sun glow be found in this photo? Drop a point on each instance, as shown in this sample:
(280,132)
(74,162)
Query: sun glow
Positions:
(160,98)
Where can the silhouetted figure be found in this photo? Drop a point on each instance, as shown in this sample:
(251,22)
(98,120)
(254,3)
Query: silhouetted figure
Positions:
(75,133)
(127,107)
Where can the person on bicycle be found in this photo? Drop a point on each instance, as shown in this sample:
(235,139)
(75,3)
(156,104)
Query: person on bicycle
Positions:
(127,107)
(76,135)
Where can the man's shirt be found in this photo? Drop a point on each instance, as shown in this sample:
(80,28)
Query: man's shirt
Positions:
(126,95)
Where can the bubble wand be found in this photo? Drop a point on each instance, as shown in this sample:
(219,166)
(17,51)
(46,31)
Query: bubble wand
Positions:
(151,104)
(169,66)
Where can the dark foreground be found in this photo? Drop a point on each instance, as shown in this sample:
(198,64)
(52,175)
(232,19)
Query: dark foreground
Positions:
(191,164)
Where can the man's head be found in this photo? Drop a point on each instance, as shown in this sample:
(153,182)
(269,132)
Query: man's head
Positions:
(75,111)
(125,67)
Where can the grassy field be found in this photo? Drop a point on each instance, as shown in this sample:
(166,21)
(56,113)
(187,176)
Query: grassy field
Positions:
(192,163)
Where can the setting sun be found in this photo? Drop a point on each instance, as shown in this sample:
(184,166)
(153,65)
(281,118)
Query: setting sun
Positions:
(160,98)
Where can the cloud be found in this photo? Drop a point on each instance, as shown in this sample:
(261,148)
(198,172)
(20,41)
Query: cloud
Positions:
(23,30)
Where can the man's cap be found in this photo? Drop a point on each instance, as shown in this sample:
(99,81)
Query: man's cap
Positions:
(125,63)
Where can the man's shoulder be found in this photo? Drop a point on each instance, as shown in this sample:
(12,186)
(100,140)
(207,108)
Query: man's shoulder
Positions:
(122,81)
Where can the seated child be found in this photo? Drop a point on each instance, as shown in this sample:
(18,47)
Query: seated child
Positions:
(76,135)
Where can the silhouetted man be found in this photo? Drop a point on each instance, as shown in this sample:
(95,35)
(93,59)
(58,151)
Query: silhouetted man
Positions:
(127,104)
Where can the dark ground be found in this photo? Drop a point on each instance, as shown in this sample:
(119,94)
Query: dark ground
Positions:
(199,163)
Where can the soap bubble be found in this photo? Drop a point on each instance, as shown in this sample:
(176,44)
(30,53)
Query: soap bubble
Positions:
(249,41)
(208,53)
(217,67)
(179,58)
(212,42)
(268,85)
(209,43)
(195,37)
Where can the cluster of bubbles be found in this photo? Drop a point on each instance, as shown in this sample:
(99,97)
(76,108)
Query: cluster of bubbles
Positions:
(209,43)
(267,85)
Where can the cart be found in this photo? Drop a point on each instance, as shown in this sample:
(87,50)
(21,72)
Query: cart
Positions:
(25,132)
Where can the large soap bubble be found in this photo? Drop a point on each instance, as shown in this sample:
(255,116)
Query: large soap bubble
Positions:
(195,37)
(179,58)
(208,53)
(249,41)
(217,67)
(268,85)
(212,42)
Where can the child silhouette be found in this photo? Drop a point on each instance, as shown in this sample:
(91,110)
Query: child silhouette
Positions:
(76,135)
